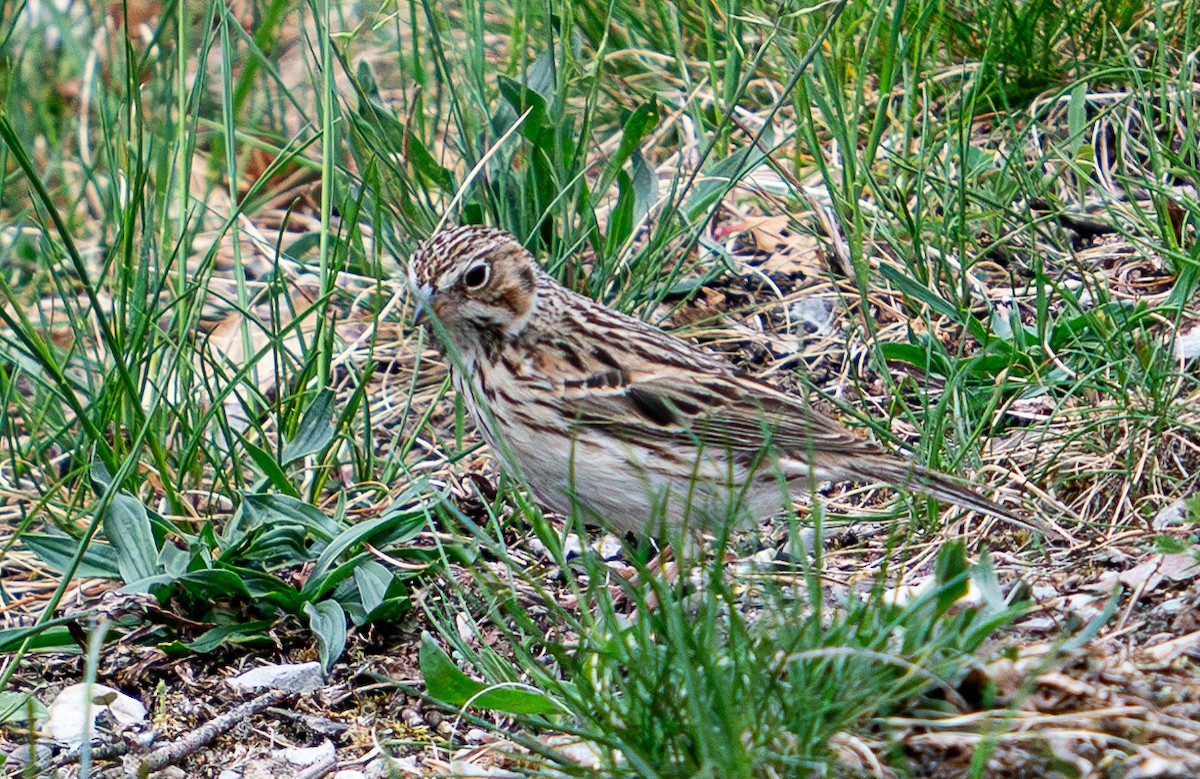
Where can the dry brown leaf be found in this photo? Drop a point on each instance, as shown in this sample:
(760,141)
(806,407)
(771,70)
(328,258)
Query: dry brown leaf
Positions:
(1146,576)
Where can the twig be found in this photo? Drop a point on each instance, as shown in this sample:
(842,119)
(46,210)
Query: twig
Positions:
(203,735)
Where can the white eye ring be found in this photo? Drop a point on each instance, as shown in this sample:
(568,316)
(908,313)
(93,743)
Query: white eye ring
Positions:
(477,276)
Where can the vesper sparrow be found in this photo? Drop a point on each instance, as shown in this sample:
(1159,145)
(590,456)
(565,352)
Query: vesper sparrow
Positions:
(607,414)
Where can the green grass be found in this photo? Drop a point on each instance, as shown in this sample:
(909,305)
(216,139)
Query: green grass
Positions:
(747,673)
(203,221)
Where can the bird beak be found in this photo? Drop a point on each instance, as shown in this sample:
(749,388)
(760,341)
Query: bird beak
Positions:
(422,311)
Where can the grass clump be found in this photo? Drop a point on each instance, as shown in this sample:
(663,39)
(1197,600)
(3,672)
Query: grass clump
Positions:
(720,672)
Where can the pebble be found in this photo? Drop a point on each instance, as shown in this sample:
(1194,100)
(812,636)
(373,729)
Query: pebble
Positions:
(67,722)
(306,756)
(41,755)
(291,677)
(610,547)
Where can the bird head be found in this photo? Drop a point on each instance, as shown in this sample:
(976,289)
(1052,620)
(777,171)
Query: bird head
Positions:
(479,282)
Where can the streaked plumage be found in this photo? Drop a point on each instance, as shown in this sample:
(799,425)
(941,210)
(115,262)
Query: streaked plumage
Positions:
(629,423)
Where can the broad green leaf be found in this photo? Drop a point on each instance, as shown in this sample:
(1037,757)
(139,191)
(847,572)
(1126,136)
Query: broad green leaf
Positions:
(101,478)
(376,121)
(715,182)
(390,610)
(640,123)
(262,509)
(57,549)
(264,590)
(366,81)
(539,76)
(253,633)
(1098,324)
(1002,323)
(306,243)
(521,98)
(206,539)
(620,221)
(444,681)
(381,595)
(127,527)
(271,469)
(1077,113)
(215,584)
(584,209)
(426,164)
(915,289)
(282,545)
(315,430)
(930,360)
(645,186)
(372,580)
(156,585)
(173,561)
(984,366)
(388,529)
(321,584)
(951,569)
(51,634)
(19,707)
(327,621)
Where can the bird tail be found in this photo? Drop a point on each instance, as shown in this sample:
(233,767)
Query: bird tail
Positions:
(904,474)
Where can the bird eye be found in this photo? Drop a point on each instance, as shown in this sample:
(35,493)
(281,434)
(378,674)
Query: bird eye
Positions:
(477,276)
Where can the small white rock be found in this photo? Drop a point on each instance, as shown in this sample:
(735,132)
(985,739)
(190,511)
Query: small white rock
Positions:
(21,755)
(387,767)
(1174,513)
(763,559)
(609,547)
(294,677)
(572,547)
(465,628)
(72,719)
(1187,345)
(462,768)
(306,756)
(1172,606)
(538,548)
(907,593)
(1040,593)
(1038,624)
(806,543)
(584,753)
(815,313)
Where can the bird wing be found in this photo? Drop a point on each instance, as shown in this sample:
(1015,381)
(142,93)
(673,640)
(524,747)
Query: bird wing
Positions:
(711,409)
(644,385)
